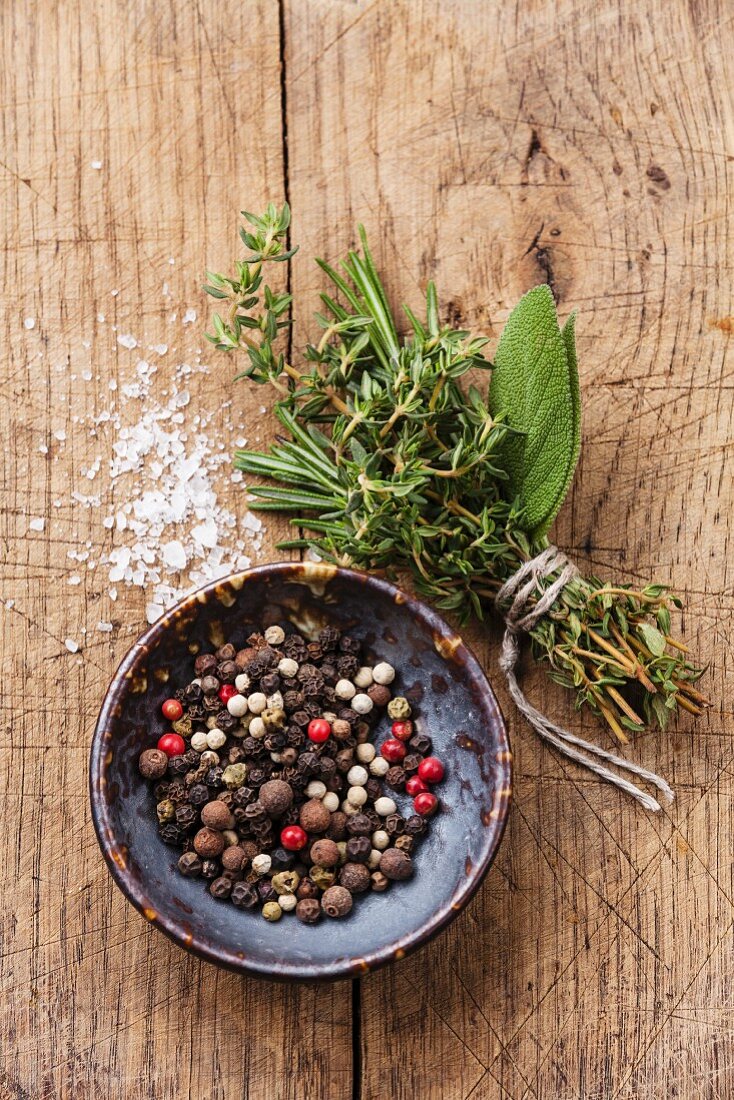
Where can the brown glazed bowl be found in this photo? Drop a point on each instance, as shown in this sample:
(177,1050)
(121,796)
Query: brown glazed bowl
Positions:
(454,703)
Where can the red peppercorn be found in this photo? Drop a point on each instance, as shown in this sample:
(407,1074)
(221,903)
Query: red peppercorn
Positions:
(431,770)
(293,837)
(425,803)
(393,750)
(403,730)
(171,744)
(226,692)
(319,730)
(415,786)
(172,710)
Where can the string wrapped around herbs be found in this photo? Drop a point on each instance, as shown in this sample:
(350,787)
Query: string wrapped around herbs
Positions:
(390,459)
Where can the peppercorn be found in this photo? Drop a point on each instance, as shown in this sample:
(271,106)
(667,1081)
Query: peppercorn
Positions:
(166,811)
(307,889)
(308,910)
(226,671)
(210,868)
(186,815)
(213,777)
(395,778)
(379,695)
(336,902)
(359,825)
(153,763)
(210,684)
(282,859)
(416,825)
(266,891)
(244,895)
(285,882)
(412,763)
(415,785)
(341,729)
(189,865)
(399,707)
(208,842)
(293,837)
(344,760)
(170,833)
(204,664)
(272,911)
(323,877)
(355,877)
(396,864)
(405,843)
(394,824)
(425,804)
(176,791)
(380,882)
(221,887)
(217,815)
(337,826)
(421,743)
(234,776)
(359,848)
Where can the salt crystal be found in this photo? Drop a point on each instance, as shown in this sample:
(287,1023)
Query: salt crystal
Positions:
(87,375)
(127,341)
(205,533)
(159,349)
(43,449)
(114,293)
(60,435)
(37,523)
(100,318)
(104,627)
(153,611)
(108,522)
(96,164)
(189,317)
(112,384)
(174,555)
(71,645)
(74,579)
(10,604)
(29,322)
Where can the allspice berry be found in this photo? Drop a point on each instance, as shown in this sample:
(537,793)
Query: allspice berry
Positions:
(233,858)
(396,864)
(336,902)
(208,843)
(355,877)
(276,796)
(340,729)
(379,694)
(324,853)
(153,763)
(217,816)
(308,910)
(314,816)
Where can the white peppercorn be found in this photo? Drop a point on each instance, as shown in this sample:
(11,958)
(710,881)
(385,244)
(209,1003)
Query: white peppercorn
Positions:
(363,678)
(242,682)
(275,701)
(383,673)
(374,859)
(356,796)
(287,668)
(348,807)
(199,742)
(231,837)
(288,902)
(379,766)
(261,864)
(274,635)
(357,776)
(257,702)
(237,706)
(385,806)
(215,738)
(362,703)
(366,753)
(257,728)
(345,689)
(316,789)
(330,800)
(210,758)
(380,840)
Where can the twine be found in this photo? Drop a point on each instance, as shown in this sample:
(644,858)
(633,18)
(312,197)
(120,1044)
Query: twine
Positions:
(513,602)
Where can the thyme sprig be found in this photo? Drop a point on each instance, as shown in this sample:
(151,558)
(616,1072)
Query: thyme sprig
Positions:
(391,460)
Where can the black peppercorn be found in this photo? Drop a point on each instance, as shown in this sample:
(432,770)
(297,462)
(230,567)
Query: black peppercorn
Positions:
(191,758)
(193,693)
(308,910)
(225,652)
(308,763)
(394,825)
(198,794)
(170,833)
(186,815)
(395,778)
(210,868)
(359,825)
(221,887)
(243,796)
(177,791)
(349,644)
(226,671)
(411,762)
(177,766)
(213,777)
(282,859)
(226,722)
(270,683)
(373,788)
(244,895)
(416,825)
(421,743)
(359,848)
(204,664)
(210,685)
(189,864)
(266,890)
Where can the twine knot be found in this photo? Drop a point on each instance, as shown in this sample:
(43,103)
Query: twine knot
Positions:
(515,603)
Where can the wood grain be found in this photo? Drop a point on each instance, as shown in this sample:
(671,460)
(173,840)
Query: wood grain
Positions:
(489,146)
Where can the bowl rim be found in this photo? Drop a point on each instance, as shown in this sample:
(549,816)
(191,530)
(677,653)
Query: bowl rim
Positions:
(342,967)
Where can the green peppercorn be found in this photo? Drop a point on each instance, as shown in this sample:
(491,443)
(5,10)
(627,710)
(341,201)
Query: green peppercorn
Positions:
(234,776)
(286,882)
(322,876)
(166,811)
(273,719)
(272,911)
(399,707)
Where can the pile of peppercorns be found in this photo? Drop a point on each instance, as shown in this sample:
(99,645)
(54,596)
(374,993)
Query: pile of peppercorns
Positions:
(271,785)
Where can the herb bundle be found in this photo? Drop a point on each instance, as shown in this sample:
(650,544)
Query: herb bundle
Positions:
(392,459)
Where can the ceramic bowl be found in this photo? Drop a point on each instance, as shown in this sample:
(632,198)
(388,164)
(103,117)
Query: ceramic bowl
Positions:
(452,698)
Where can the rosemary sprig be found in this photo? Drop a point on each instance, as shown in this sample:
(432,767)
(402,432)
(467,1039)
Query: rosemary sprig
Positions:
(390,461)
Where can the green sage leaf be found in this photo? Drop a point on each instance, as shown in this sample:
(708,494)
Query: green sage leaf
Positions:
(535,390)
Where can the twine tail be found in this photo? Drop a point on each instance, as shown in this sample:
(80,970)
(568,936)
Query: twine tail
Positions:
(518,589)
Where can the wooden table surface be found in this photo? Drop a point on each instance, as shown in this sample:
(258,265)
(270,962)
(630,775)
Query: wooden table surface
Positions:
(488,145)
